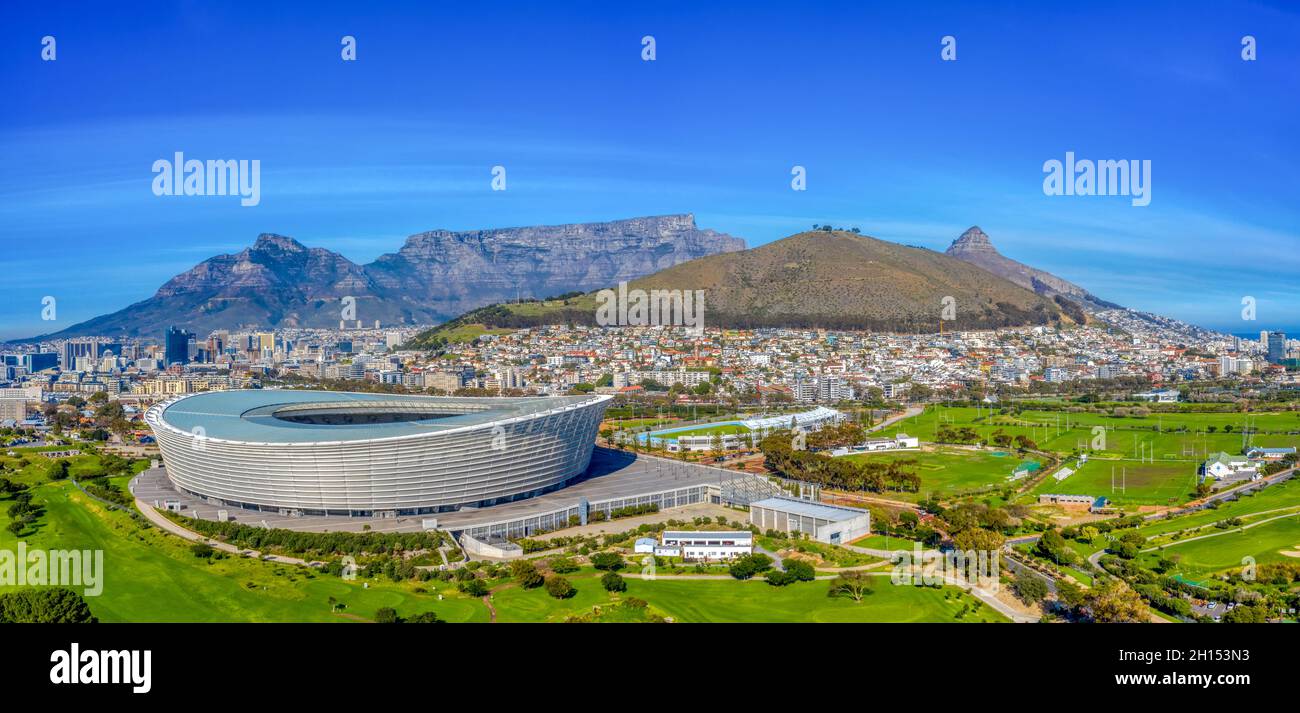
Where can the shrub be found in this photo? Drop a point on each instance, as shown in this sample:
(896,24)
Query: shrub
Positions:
(613,582)
(559,587)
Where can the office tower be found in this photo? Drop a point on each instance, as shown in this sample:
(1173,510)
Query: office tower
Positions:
(1276,347)
(177,346)
(76,348)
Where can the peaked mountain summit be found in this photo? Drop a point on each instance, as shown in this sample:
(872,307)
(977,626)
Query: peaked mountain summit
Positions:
(818,279)
(975,247)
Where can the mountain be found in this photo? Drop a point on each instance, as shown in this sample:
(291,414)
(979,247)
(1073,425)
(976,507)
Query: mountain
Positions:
(278,282)
(458,271)
(831,279)
(974,247)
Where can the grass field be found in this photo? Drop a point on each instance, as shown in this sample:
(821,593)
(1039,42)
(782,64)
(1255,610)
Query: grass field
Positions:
(723,429)
(949,471)
(1282,496)
(469,332)
(1135,483)
(1160,452)
(37,468)
(1169,437)
(625,423)
(152,577)
(1264,543)
(755,600)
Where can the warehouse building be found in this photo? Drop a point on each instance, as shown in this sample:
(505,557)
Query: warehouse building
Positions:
(833,524)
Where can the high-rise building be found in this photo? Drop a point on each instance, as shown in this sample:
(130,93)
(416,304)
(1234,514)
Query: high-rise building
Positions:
(177,350)
(1276,347)
(77,348)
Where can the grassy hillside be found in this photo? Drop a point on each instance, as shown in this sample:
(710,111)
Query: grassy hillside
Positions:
(829,279)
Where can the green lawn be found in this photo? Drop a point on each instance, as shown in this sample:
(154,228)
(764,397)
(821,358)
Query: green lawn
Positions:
(152,577)
(1274,497)
(883,542)
(1143,483)
(724,429)
(748,601)
(1265,543)
(950,471)
(625,423)
(1127,437)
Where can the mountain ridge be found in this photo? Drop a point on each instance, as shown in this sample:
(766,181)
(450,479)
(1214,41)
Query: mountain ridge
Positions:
(974,246)
(435,275)
(824,279)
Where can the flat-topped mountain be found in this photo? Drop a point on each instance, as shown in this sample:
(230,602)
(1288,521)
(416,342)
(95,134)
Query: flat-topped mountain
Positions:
(278,282)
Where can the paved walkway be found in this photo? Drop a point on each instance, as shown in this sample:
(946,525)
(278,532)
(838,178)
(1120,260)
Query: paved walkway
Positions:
(1230,531)
(167,525)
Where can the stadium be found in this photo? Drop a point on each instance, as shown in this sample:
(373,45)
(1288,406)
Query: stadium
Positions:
(371,455)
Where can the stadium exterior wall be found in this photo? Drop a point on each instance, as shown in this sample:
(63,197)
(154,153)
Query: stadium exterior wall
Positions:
(479,465)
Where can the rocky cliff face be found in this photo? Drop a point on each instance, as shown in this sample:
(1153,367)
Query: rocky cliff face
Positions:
(278,282)
(974,247)
(459,271)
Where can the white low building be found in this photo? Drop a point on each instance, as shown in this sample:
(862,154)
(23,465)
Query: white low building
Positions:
(832,524)
(710,545)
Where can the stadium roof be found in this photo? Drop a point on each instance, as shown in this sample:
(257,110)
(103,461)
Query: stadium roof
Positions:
(821,511)
(301,416)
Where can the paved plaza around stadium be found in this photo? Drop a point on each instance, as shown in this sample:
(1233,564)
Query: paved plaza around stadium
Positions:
(612,474)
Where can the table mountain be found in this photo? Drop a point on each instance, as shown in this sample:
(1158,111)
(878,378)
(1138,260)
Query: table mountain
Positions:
(278,282)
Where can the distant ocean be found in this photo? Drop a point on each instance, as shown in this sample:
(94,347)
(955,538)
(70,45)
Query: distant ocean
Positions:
(1290,332)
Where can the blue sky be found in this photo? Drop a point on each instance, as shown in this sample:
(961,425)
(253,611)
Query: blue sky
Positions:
(357,155)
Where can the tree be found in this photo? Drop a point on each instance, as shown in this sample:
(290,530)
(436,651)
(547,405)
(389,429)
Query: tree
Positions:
(1029,587)
(801,571)
(1069,594)
(562,565)
(1114,601)
(559,587)
(58,470)
(613,582)
(57,605)
(1247,614)
(611,561)
(777,578)
(427,617)
(1052,546)
(750,565)
(474,587)
(855,585)
(386,615)
(202,550)
(525,574)
(978,539)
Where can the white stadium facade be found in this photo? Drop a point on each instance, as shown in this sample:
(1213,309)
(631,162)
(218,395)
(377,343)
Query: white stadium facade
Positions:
(371,455)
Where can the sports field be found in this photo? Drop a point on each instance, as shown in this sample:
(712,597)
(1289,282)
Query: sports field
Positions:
(722,429)
(948,471)
(1166,437)
(1135,483)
